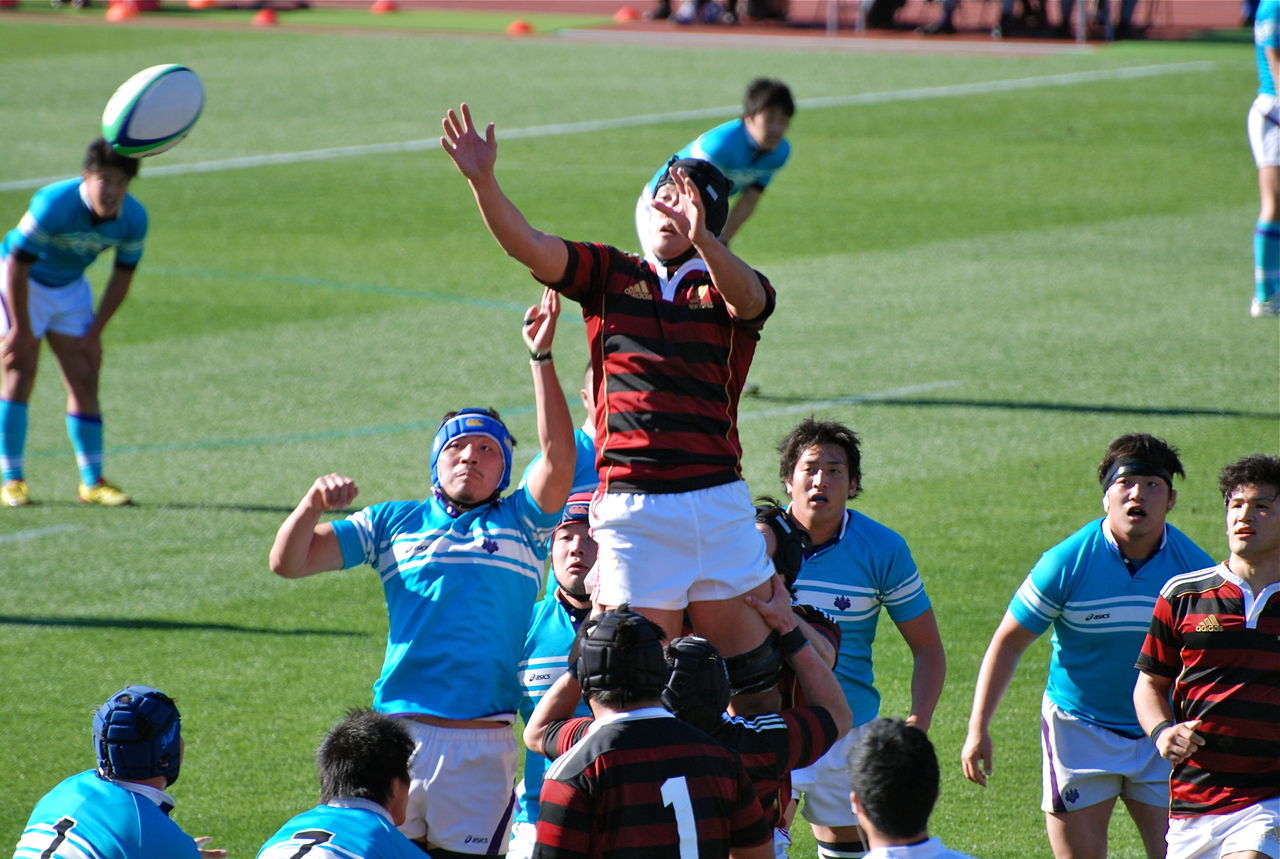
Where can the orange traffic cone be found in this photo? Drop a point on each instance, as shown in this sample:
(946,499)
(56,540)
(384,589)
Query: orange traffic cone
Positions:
(382,7)
(266,17)
(626,15)
(121,10)
(519,27)
(202,4)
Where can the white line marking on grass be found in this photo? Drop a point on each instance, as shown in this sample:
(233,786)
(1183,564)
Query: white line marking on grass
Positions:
(33,533)
(811,405)
(950,91)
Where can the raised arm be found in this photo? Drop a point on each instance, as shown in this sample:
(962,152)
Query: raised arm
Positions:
(1011,639)
(544,254)
(820,687)
(559,704)
(551,477)
(734,279)
(303,547)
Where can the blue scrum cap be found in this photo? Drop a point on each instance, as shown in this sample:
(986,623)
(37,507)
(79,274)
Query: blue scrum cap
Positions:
(137,735)
(473,422)
(577,508)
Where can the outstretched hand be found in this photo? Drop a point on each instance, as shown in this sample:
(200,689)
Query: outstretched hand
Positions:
(539,327)
(474,156)
(332,492)
(687,215)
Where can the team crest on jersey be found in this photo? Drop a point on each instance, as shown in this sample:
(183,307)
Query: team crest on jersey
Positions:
(638,290)
(701,298)
(489,545)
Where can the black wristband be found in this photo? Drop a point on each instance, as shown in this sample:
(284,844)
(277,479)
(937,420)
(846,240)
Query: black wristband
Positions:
(540,357)
(792,642)
(1155,732)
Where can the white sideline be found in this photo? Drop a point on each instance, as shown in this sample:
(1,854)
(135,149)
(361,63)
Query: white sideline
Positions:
(918,94)
(33,533)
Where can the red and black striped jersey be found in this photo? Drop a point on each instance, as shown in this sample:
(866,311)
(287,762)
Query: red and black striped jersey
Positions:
(641,785)
(1220,644)
(669,361)
(774,744)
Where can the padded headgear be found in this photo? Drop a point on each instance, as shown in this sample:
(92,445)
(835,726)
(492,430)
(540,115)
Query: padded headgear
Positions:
(621,652)
(698,689)
(576,509)
(713,186)
(473,422)
(137,735)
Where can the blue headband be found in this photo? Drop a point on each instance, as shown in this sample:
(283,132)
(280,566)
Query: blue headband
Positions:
(473,422)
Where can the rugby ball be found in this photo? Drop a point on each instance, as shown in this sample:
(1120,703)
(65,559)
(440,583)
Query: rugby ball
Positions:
(153,110)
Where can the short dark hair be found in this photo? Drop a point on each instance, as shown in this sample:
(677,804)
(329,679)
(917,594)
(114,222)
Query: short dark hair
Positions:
(1257,469)
(894,771)
(361,755)
(765,93)
(1142,446)
(99,154)
(810,432)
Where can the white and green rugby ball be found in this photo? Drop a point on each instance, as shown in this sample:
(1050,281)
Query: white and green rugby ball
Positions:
(153,110)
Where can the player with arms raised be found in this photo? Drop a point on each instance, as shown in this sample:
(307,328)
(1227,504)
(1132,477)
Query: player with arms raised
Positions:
(671,339)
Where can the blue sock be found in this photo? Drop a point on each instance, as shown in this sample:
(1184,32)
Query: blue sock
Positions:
(13,438)
(85,432)
(1266,260)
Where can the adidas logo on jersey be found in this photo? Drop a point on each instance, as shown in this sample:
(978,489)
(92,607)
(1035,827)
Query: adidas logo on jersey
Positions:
(638,290)
(1209,624)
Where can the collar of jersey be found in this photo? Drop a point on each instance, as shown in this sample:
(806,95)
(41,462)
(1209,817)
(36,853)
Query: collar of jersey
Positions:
(359,802)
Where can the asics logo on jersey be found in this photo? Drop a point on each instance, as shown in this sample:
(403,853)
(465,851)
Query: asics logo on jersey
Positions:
(489,545)
(1103,616)
(1209,624)
(475,839)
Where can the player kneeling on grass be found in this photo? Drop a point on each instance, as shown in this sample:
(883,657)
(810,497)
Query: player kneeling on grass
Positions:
(460,571)
(120,810)
(671,338)
(363,763)
(640,776)
(44,294)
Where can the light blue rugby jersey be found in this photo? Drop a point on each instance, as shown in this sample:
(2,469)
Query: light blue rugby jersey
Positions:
(347,828)
(58,229)
(86,817)
(1266,34)
(585,476)
(867,566)
(731,148)
(1100,616)
(458,592)
(545,658)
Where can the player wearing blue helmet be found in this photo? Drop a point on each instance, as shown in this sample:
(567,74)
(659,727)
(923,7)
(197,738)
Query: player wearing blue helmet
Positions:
(460,571)
(120,810)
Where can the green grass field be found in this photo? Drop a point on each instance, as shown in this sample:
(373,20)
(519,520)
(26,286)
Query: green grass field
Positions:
(988,283)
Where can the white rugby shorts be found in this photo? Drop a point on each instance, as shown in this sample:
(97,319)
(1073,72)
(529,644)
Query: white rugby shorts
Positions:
(1264,130)
(666,550)
(1084,764)
(1208,836)
(825,785)
(60,309)
(461,786)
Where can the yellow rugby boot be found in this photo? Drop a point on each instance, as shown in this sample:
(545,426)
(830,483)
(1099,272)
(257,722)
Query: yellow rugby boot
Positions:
(15,494)
(103,493)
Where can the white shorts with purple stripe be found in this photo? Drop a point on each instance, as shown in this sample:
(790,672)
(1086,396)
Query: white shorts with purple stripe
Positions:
(1084,764)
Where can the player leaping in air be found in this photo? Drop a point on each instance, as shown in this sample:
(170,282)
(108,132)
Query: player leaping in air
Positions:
(671,339)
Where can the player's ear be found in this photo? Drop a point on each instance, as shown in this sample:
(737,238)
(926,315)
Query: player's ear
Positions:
(1173,498)
(853,488)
